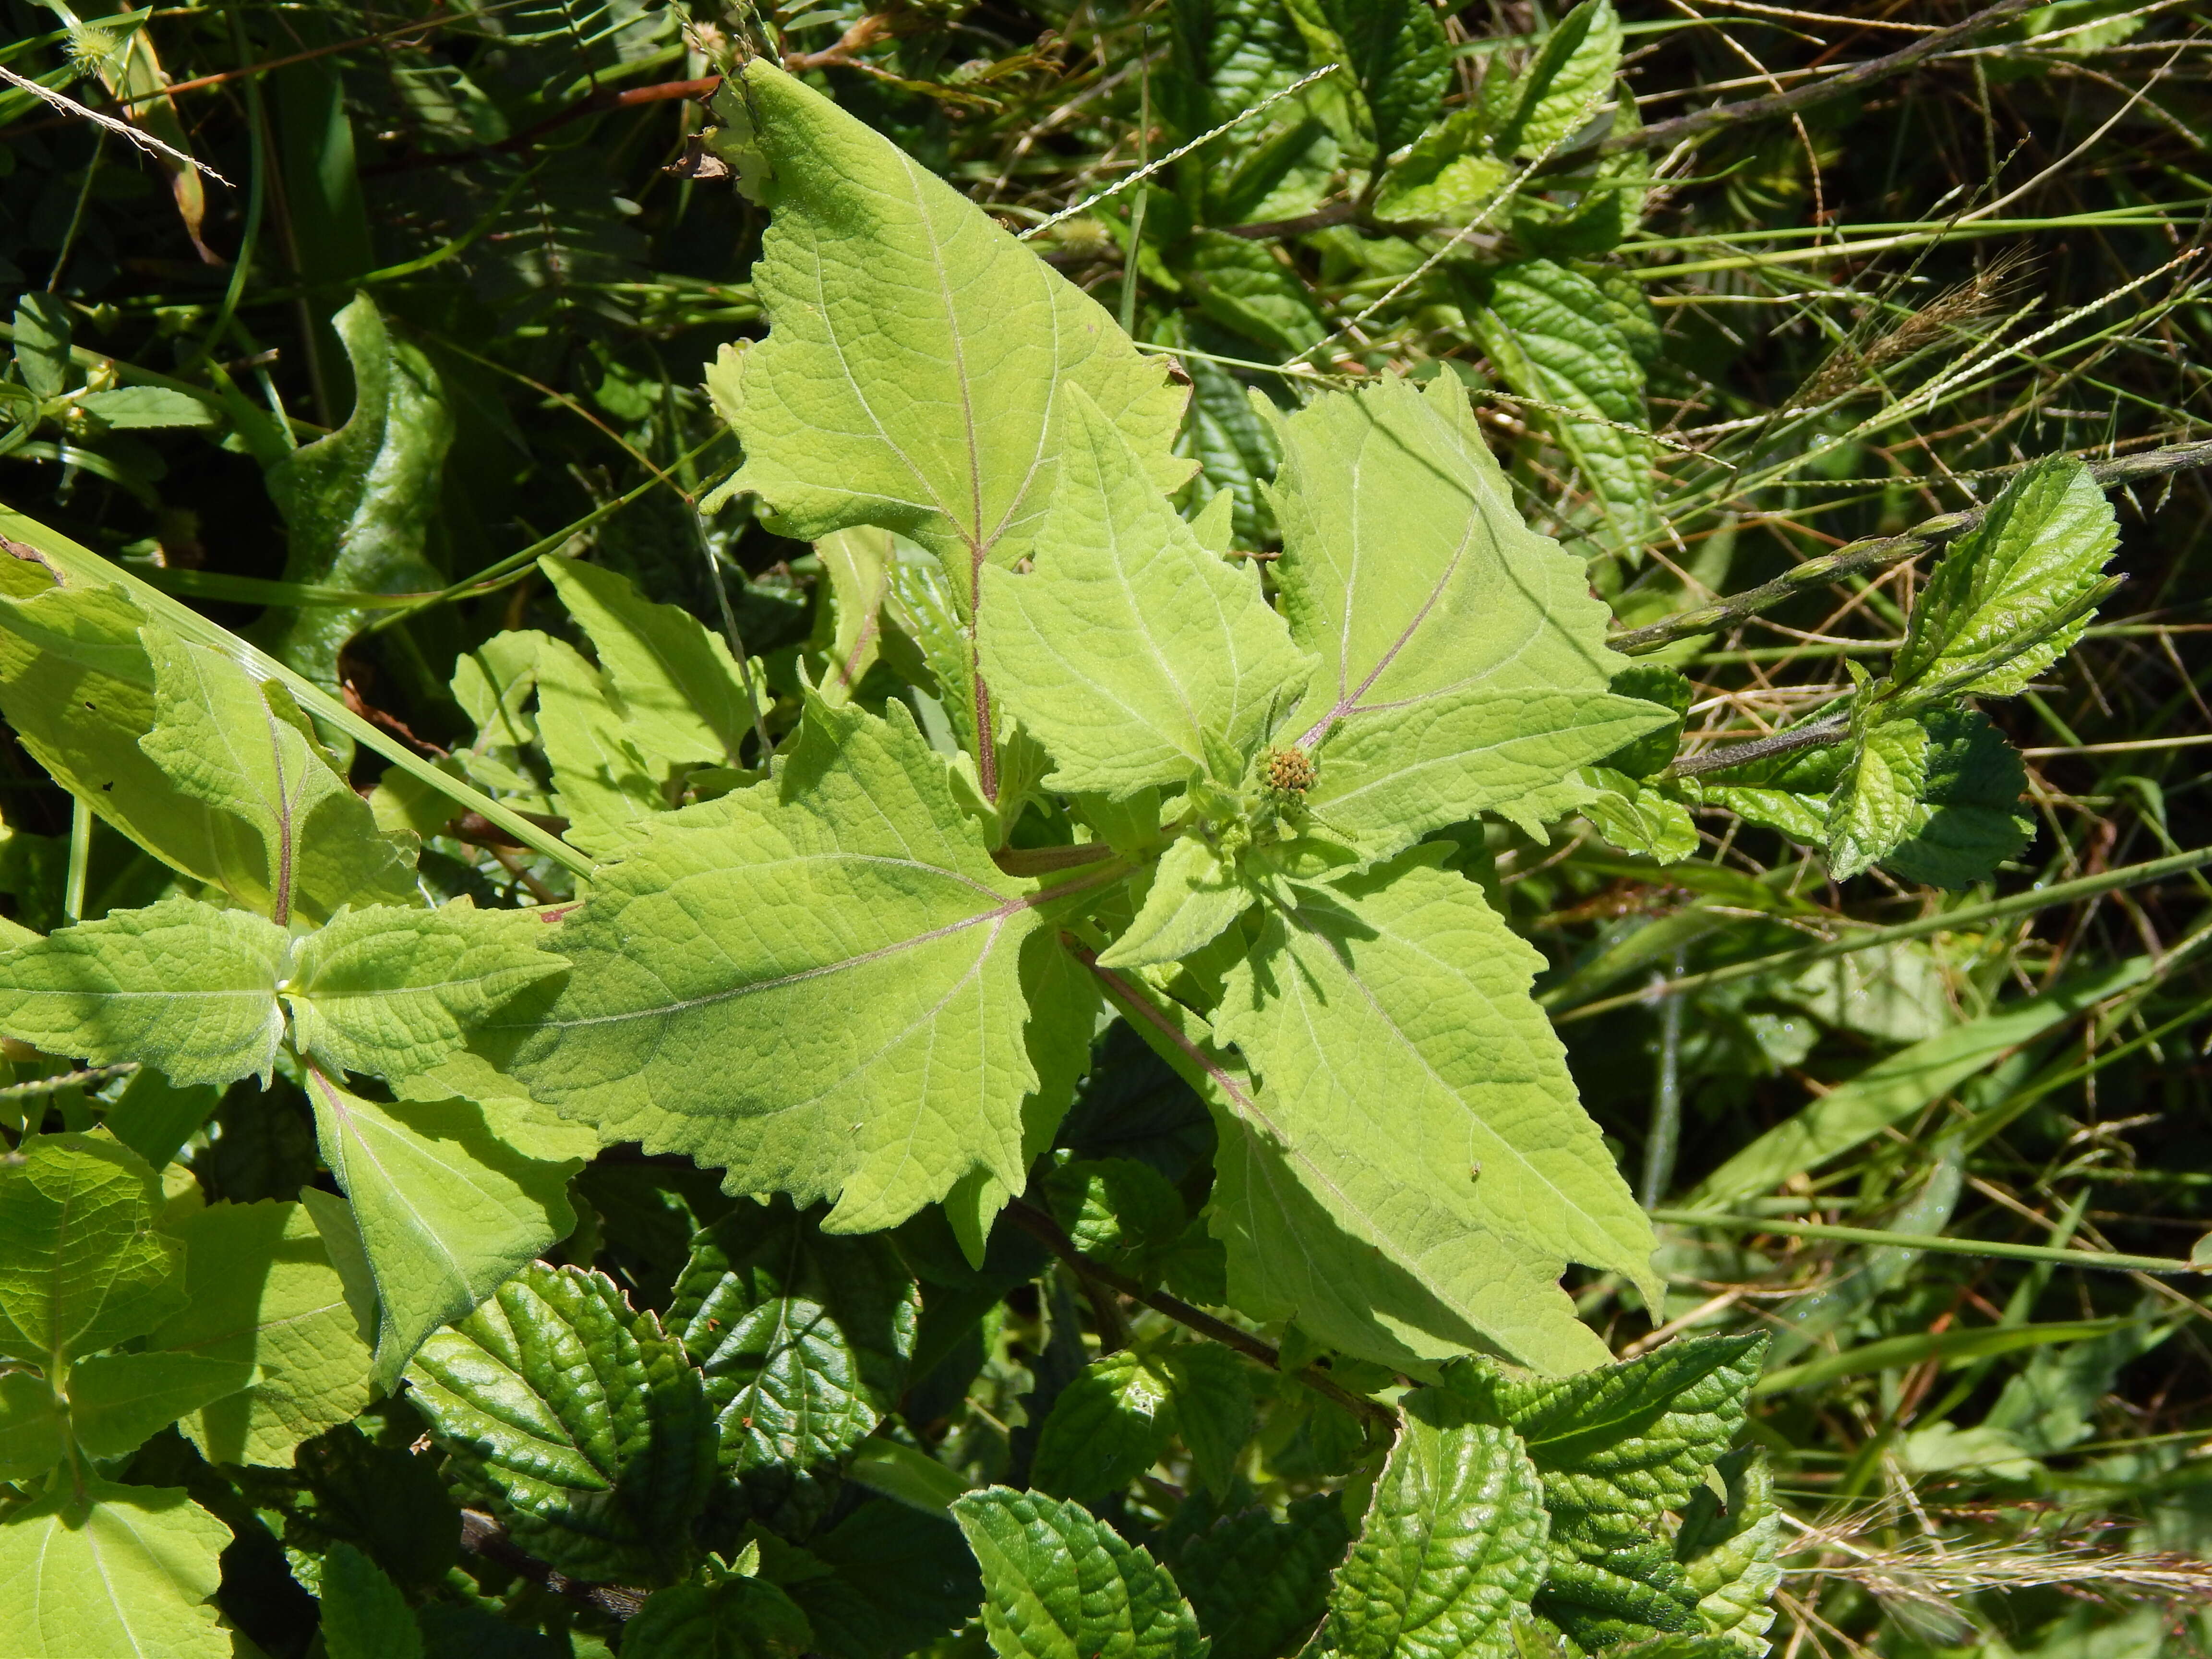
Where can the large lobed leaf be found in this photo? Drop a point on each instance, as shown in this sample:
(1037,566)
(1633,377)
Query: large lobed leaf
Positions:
(1463,661)
(112,1570)
(916,352)
(812,983)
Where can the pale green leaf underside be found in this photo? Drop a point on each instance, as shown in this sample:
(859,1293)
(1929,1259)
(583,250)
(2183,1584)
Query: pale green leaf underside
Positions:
(130,1573)
(812,983)
(447,1208)
(1388,1018)
(393,992)
(915,349)
(1464,665)
(1129,641)
(80,1266)
(681,695)
(264,1292)
(179,985)
(1058,1583)
(1453,1543)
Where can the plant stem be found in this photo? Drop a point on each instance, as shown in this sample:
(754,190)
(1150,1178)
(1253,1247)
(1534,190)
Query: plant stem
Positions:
(80,860)
(1971,915)
(1760,1223)
(1665,1140)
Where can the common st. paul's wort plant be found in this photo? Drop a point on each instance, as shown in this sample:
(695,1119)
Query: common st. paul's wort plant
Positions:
(1124,785)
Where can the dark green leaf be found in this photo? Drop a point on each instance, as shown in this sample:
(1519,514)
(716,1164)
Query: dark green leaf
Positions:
(733,1618)
(364,1614)
(1109,1426)
(42,342)
(1260,1586)
(1398,51)
(383,1498)
(899,1580)
(1059,1583)
(1654,751)
(804,1337)
(580,1420)
(1969,819)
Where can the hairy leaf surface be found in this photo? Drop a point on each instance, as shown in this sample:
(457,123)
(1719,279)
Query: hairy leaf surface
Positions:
(122,1569)
(179,985)
(916,352)
(811,982)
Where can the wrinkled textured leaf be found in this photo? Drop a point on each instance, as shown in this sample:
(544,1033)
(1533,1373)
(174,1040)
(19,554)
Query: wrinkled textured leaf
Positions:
(1639,819)
(358,504)
(1401,985)
(804,1337)
(1211,1409)
(1130,641)
(1109,1426)
(447,1205)
(718,1008)
(1968,819)
(1463,659)
(2009,597)
(1247,288)
(179,985)
(681,695)
(1730,1551)
(129,1571)
(80,1266)
(1058,1583)
(916,352)
(264,1292)
(1260,1585)
(118,1401)
(1871,810)
(735,1618)
(291,833)
(364,1614)
(583,1424)
(1548,329)
(1398,51)
(900,1579)
(1452,1541)
(1571,75)
(391,993)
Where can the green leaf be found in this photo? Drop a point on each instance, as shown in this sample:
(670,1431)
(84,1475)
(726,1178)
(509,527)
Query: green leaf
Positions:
(1398,51)
(1664,687)
(118,1401)
(1109,1426)
(1637,817)
(2011,596)
(448,1207)
(1130,641)
(1447,176)
(1624,1590)
(914,1478)
(1730,1549)
(289,829)
(391,993)
(1247,288)
(1629,1442)
(733,1617)
(1235,448)
(1260,1585)
(1452,1543)
(899,1579)
(386,1499)
(179,985)
(358,505)
(117,1570)
(42,342)
(264,1293)
(1211,1409)
(364,1614)
(916,353)
(681,695)
(1571,76)
(134,407)
(1058,1583)
(582,1422)
(1548,332)
(603,782)
(1401,985)
(1118,1211)
(1968,820)
(1871,812)
(859,563)
(710,1010)
(803,1337)
(80,1266)
(30,1440)
(155,1118)
(1196,894)
(1463,659)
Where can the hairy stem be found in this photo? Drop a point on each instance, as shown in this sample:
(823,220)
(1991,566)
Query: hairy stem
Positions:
(1816,735)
